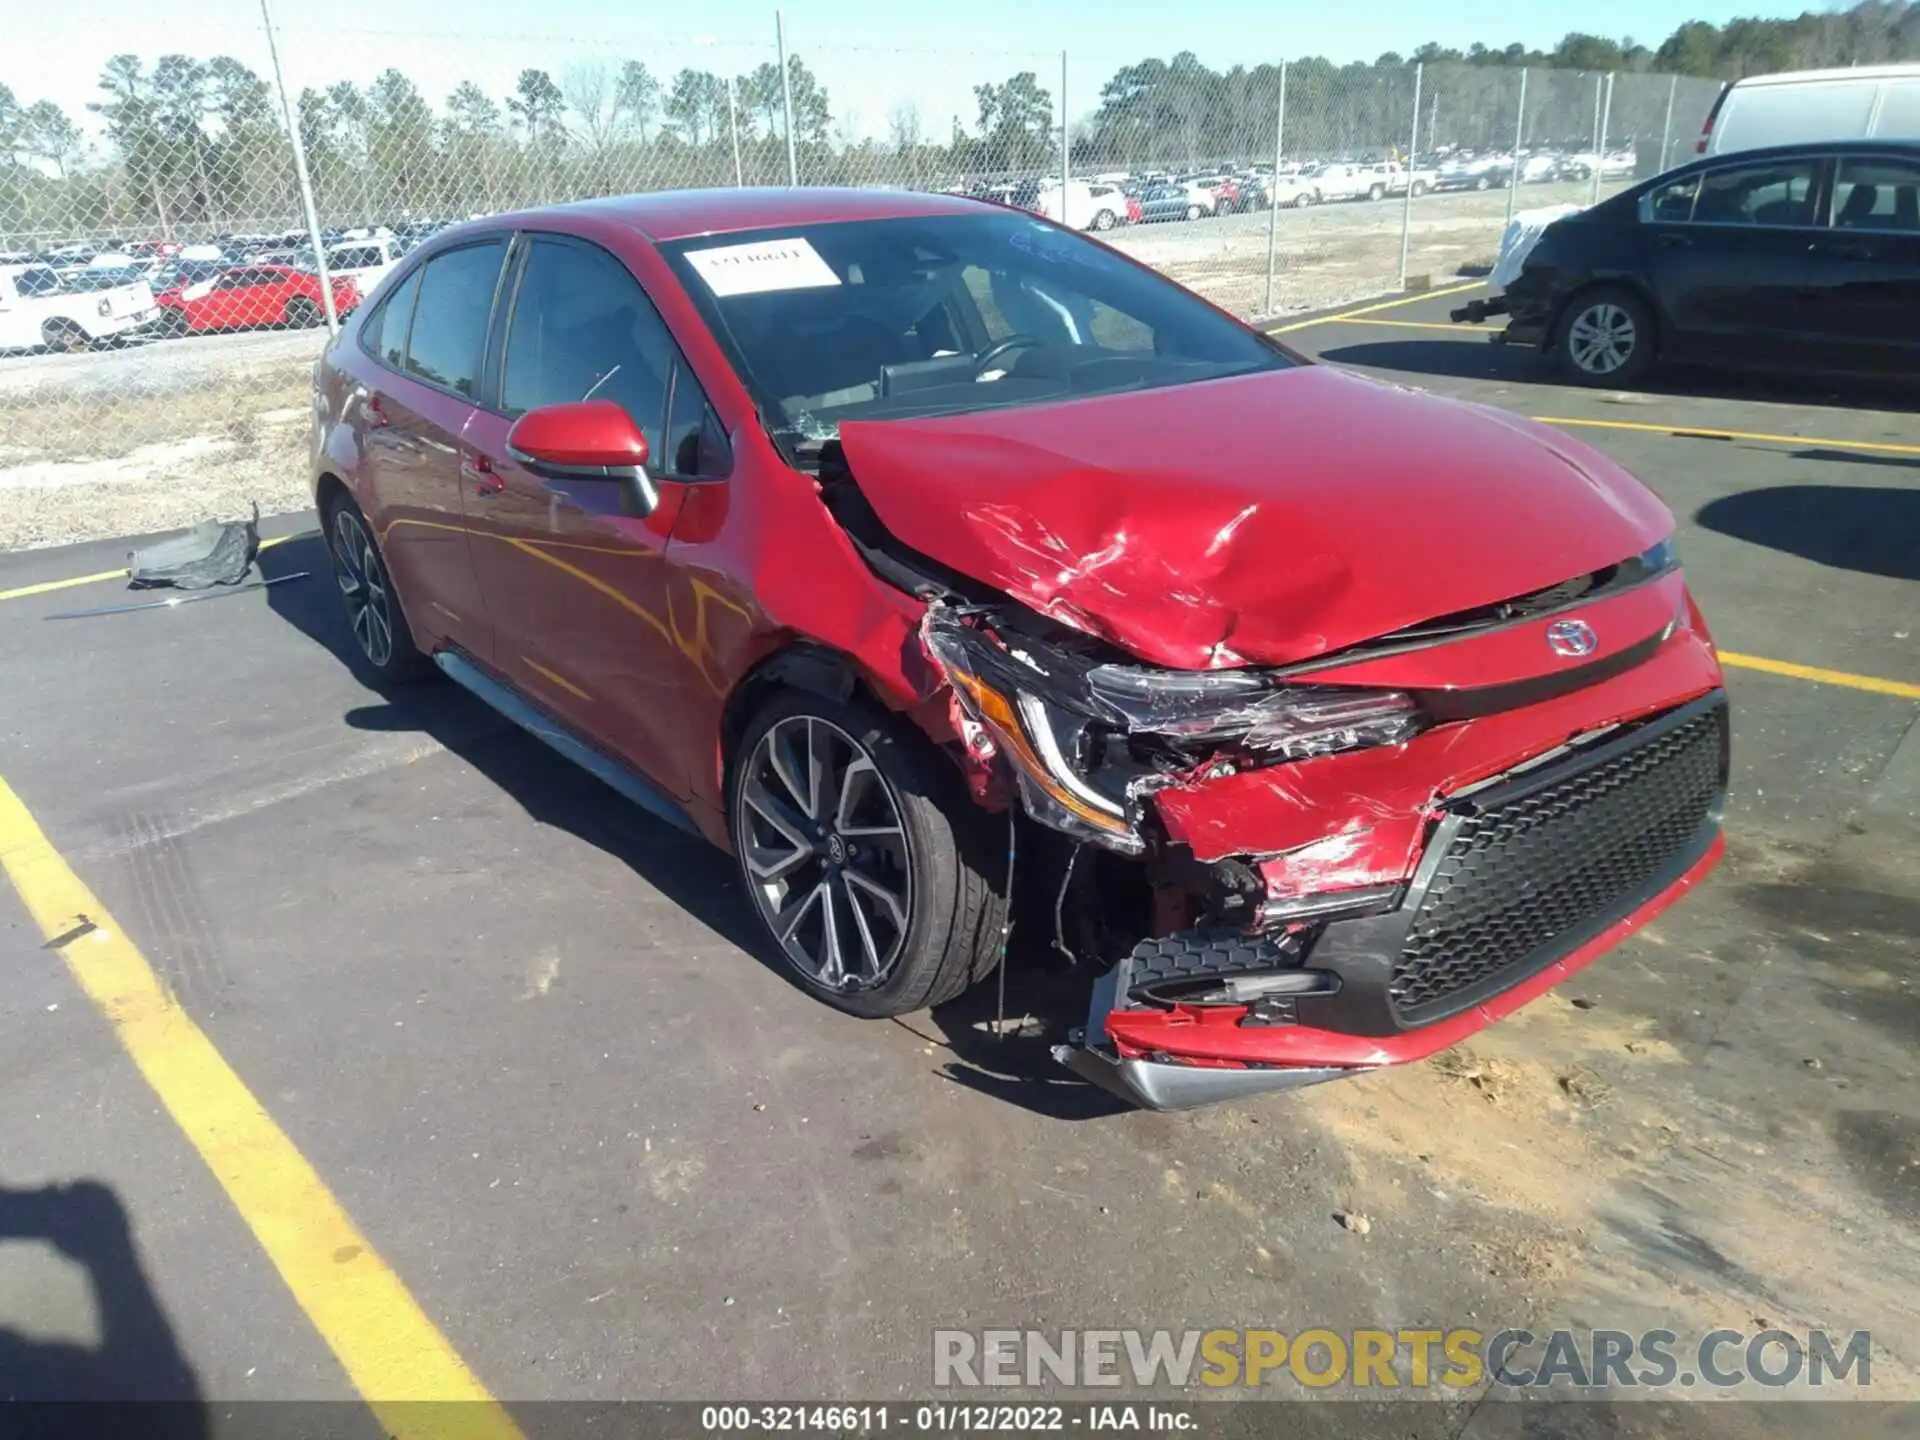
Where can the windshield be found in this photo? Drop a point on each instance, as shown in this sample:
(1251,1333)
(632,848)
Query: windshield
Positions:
(940,315)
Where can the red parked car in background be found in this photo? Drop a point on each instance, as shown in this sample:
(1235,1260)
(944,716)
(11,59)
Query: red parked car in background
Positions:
(936,560)
(250,295)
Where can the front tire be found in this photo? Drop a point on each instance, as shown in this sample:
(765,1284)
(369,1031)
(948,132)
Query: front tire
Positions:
(1194,212)
(1103,220)
(1419,188)
(1606,338)
(383,645)
(302,313)
(872,873)
(1377,192)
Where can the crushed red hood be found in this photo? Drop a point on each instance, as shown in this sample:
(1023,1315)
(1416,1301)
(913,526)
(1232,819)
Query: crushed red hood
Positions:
(1263,519)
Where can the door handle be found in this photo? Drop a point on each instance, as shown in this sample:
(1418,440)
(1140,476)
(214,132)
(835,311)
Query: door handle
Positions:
(1672,240)
(1851,250)
(478,471)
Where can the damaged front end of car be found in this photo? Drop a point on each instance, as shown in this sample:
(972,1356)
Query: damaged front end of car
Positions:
(1339,876)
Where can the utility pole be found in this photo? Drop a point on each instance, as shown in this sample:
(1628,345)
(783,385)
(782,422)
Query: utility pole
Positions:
(301,177)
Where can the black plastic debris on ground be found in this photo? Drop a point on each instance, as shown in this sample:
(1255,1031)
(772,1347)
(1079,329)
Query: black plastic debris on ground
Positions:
(214,552)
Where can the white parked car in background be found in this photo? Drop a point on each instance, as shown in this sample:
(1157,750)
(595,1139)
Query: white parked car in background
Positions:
(37,309)
(1089,205)
(365,262)
(1344,182)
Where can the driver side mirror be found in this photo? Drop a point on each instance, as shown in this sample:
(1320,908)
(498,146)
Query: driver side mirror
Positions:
(594,441)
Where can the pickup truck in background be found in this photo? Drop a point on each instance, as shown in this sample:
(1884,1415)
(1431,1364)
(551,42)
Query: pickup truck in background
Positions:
(37,309)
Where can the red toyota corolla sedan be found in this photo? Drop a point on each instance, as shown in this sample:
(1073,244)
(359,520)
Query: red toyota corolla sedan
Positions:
(931,558)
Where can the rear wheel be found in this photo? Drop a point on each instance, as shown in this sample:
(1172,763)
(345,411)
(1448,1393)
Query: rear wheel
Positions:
(64,336)
(173,323)
(1103,220)
(1606,338)
(869,868)
(1377,192)
(383,644)
(1194,212)
(1419,188)
(302,313)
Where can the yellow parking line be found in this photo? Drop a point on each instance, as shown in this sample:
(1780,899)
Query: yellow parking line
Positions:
(1462,330)
(1694,431)
(1820,676)
(47,587)
(1382,305)
(394,1355)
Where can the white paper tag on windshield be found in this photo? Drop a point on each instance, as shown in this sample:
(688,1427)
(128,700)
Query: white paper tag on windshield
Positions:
(763,266)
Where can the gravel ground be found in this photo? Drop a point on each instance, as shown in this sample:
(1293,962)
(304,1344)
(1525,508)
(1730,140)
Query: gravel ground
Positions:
(163,434)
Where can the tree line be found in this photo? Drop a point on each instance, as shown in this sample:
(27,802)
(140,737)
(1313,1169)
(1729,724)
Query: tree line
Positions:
(192,147)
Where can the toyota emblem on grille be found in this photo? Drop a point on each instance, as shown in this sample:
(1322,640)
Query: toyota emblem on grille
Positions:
(1571,638)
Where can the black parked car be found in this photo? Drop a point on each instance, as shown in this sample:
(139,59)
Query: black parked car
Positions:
(1802,257)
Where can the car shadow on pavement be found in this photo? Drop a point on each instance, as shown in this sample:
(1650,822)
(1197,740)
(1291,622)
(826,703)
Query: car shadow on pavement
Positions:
(1472,357)
(137,1364)
(1875,530)
(1013,1063)
(550,789)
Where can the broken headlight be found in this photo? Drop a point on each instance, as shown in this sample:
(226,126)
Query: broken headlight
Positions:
(1082,737)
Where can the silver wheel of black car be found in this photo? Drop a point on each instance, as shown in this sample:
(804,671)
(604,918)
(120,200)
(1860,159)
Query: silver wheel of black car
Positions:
(826,853)
(380,633)
(1606,338)
(869,868)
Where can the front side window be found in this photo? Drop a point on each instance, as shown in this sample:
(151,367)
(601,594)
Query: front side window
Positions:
(887,319)
(1877,195)
(450,317)
(1778,192)
(583,329)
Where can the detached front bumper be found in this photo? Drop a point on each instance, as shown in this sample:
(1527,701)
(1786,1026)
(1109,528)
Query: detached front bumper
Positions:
(1519,882)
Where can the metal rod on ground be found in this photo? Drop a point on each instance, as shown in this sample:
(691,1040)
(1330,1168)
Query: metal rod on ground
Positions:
(1666,130)
(786,98)
(1598,86)
(733,124)
(1519,140)
(1413,149)
(300,175)
(1273,190)
(1606,119)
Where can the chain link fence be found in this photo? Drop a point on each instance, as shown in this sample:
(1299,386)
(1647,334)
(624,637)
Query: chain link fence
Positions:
(171,257)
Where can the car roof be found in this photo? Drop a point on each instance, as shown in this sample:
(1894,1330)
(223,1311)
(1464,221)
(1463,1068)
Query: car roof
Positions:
(1905,149)
(683,214)
(1861,73)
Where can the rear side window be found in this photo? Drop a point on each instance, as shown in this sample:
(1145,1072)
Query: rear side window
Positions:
(583,329)
(387,341)
(450,317)
(1877,195)
(1760,115)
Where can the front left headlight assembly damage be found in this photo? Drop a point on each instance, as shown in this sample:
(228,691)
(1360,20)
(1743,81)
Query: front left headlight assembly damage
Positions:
(1086,739)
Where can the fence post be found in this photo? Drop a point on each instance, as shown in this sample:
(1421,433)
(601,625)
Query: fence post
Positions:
(1666,130)
(1606,120)
(1273,190)
(1594,196)
(786,98)
(300,175)
(733,124)
(1519,139)
(1413,150)
(1066,153)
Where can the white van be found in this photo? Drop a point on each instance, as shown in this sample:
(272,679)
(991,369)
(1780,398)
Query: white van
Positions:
(1871,102)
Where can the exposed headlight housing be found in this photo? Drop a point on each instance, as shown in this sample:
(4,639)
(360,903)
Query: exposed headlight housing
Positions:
(1072,729)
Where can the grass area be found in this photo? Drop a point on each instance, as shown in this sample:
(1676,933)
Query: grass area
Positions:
(43,425)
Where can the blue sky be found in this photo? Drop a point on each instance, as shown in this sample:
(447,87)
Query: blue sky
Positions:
(872,56)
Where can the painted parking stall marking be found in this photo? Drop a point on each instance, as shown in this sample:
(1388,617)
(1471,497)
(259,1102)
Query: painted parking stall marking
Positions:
(392,1353)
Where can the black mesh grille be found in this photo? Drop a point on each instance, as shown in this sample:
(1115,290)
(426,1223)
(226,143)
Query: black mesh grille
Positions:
(1522,879)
